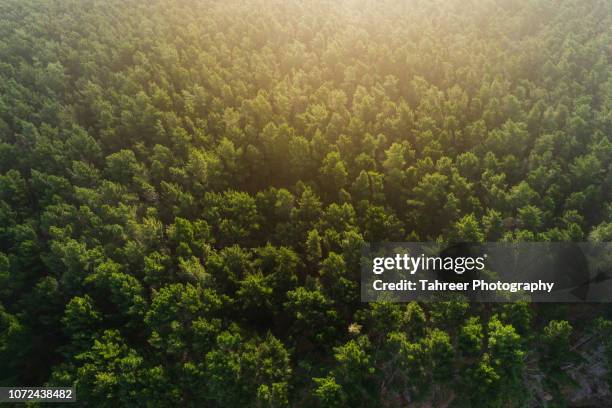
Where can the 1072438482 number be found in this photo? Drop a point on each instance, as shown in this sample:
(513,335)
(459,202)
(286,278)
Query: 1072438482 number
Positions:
(48,394)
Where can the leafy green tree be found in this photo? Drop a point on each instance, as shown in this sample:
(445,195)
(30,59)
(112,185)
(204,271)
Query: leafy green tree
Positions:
(471,337)
(108,371)
(329,392)
(334,172)
(314,317)
(174,310)
(467,229)
(253,374)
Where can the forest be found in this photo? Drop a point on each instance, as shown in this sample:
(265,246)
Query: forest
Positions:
(186,187)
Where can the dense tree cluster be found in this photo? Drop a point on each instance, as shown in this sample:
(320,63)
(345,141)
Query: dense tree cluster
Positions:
(185,187)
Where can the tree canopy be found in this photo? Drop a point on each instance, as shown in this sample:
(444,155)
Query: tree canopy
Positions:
(185,188)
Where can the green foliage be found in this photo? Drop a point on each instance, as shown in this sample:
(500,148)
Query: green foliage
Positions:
(186,187)
(470,337)
(250,374)
(329,393)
